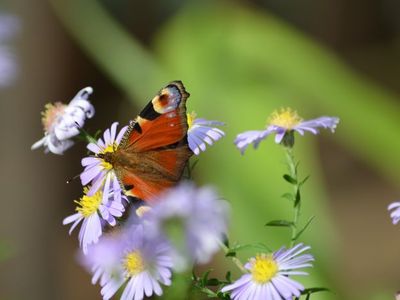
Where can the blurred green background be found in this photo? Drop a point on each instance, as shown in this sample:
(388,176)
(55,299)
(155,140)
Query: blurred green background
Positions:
(240,60)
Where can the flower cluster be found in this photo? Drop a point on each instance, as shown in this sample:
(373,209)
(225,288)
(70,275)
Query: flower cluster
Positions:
(182,225)
(141,254)
(144,253)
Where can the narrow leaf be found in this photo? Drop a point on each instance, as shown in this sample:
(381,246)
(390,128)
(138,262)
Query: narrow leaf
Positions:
(288,196)
(280,223)
(289,179)
(304,180)
(231,254)
(204,279)
(213,282)
(228,276)
(257,246)
(297,198)
(315,290)
(304,228)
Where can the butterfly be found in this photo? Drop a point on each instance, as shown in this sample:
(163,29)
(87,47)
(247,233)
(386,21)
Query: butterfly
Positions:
(154,150)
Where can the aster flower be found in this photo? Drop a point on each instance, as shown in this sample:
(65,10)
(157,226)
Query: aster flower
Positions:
(395,212)
(61,122)
(202,131)
(193,219)
(282,123)
(8,27)
(94,213)
(130,258)
(269,275)
(98,171)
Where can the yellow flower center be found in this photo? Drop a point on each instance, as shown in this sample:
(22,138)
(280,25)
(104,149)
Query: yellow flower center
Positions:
(109,149)
(263,268)
(134,263)
(286,118)
(50,114)
(89,205)
(190,118)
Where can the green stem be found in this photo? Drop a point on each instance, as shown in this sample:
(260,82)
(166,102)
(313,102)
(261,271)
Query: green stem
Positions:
(84,135)
(234,259)
(296,193)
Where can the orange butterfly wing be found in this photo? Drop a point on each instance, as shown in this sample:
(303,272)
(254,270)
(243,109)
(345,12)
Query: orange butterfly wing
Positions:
(154,151)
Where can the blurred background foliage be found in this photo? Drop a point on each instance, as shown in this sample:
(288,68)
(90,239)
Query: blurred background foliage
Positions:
(240,60)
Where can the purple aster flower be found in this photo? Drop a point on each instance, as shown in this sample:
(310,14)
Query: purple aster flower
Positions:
(202,131)
(130,258)
(8,27)
(395,212)
(62,122)
(94,213)
(193,219)
(269,275)
(281,123)
(99,172)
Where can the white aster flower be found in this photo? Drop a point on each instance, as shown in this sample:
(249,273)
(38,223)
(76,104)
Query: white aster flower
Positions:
(98,171)
(130,260)
(194,220)
(395,212)
(269,276)
(62,122)
(282,123)
(202,132)
(95,213)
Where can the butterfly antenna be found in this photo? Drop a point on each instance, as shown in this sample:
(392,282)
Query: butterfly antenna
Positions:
(72,179)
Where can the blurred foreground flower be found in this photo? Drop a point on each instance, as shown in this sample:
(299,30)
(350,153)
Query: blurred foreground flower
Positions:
(97,170)
(195,221)
(129,258)
(8,27)
(202,131)
(268,276)
(283,123)
(94,212)
(395,212)
(62,122)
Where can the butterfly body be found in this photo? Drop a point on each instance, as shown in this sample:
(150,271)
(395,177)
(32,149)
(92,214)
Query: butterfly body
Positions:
(154,150)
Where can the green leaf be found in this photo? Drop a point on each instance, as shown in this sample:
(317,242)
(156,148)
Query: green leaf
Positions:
(204,278)
(288,196)
(228,277)
(257,246)
(289,179)
(297,198)
(213,282)
(230,254)
(304,228)
(280,223)
(222,295)
(304,180)
(311,291)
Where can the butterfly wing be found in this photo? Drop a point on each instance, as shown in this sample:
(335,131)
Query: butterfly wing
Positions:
(161,123)
(154,151)
(151,172)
